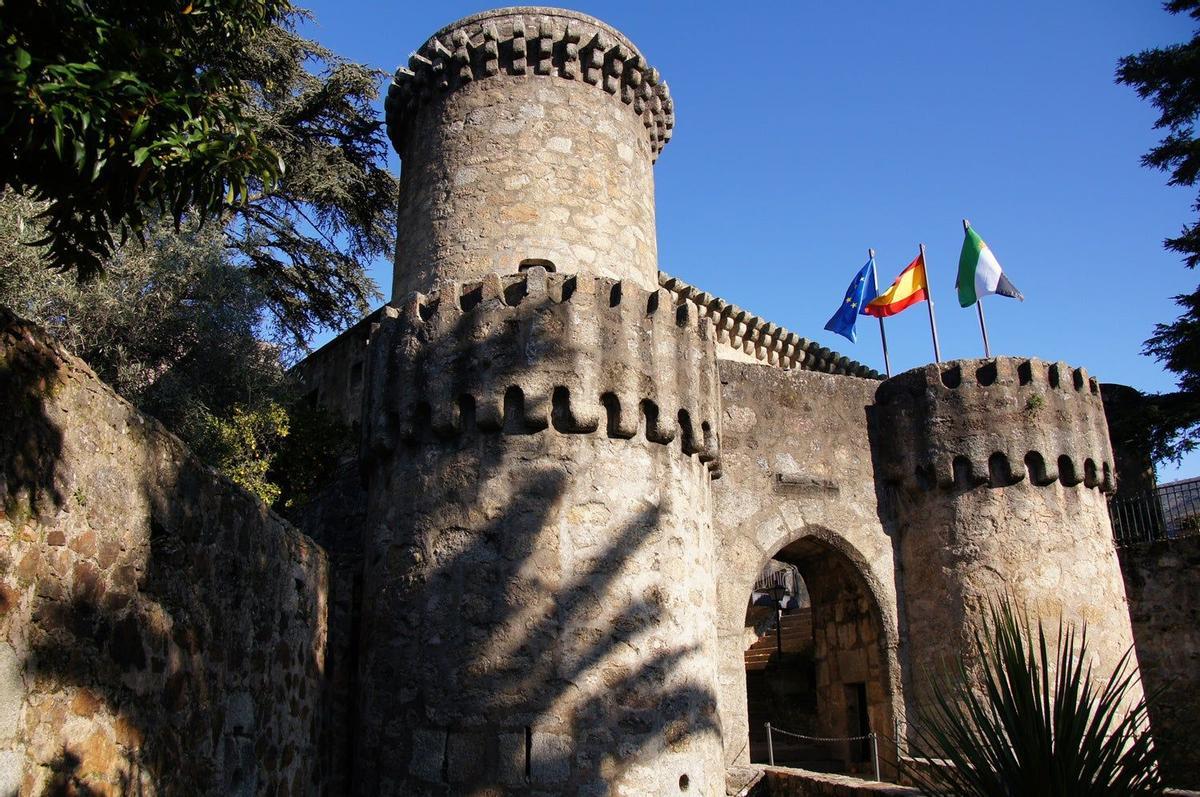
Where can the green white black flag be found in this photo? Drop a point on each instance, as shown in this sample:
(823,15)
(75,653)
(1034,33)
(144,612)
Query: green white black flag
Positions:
(979,274)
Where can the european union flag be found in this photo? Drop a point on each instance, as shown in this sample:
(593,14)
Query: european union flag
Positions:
(861,291)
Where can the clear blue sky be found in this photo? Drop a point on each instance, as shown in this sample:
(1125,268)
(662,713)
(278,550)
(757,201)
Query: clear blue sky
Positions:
(809,131)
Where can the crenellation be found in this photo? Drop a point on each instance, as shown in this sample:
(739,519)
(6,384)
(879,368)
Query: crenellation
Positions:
(477,341)
(755,339)
(481,47)
(1005,469)
(1017,410)
(544,559)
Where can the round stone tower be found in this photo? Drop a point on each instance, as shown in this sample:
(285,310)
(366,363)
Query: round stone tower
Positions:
(540,433)
(999,469)
(527,134)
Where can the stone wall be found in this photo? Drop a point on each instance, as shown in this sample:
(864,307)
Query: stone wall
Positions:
(798,485)
(161,631)
(784,782)
(335,518)
(1162,580)
(333,375)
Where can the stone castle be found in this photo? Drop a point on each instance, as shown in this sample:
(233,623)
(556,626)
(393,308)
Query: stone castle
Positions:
(534,576)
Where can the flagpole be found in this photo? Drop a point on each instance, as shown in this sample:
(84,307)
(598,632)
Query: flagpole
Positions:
(937,350)
(987,350)
(887,363)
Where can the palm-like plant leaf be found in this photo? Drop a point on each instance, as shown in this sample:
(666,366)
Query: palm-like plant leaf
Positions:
(1033,720)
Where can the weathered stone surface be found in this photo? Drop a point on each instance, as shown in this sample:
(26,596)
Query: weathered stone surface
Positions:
(518,164)
(798,484)
(999,470)
(784,782)
(572,469)
(1162,580)
(112,668)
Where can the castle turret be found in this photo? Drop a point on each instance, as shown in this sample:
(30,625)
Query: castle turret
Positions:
(540,436)
(1000,470)
(527,134)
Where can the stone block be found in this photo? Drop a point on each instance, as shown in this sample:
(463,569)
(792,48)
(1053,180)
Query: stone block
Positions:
(466,757)
(511,759)
(550,759)
(10,771)
(428,750)
(12,692)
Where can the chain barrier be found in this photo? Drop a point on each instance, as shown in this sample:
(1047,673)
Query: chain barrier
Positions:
(871,737)
(821,738)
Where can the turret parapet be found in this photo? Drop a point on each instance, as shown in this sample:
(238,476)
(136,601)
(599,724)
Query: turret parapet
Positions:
(993,422)
(535,41)
(769,343)
(523,353)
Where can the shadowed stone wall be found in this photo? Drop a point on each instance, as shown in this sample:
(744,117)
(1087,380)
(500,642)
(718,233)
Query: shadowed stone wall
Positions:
(1163,582)
(160,630)
(539,600)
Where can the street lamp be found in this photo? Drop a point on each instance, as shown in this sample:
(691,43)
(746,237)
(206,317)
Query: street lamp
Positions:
(778,591)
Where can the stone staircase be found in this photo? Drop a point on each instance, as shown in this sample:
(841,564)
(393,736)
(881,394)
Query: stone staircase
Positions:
(797,633)
(765,662)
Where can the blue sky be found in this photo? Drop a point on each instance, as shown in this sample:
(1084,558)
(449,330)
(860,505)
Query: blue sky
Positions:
(807,132)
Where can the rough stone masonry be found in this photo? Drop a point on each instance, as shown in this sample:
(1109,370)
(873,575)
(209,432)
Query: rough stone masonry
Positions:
(534,576)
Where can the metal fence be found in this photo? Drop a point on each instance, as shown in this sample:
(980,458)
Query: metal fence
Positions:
(1165,513)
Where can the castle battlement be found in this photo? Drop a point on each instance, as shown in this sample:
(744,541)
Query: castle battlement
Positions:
(994,422)
(536,351)
(532,41)
(760,339)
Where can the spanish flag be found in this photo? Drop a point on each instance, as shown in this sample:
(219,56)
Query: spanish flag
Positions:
(908,289)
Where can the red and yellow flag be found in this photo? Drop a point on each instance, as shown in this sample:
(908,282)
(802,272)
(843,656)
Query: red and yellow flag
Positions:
(908,289)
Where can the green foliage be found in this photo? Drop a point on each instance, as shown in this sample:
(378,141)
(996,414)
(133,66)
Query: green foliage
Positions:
(107,107)
(173,327)
(1169,77)
(242,444)
(119,115)
(1032,719)
(167,103)
(305,237)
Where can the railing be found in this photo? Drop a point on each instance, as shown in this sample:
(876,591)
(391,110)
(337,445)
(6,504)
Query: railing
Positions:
(872,738)
(778,574)
(1168,512)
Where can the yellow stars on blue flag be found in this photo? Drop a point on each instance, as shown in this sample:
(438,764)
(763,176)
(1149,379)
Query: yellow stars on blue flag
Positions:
(860,292)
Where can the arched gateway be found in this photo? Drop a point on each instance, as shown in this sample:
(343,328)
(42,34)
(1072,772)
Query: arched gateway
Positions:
(817,664)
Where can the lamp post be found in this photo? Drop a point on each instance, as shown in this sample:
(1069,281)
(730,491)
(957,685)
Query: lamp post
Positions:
(778,591)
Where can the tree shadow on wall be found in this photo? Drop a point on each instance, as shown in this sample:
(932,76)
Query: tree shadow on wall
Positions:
(502,649)
(30,441)
(499,655)
(154,623)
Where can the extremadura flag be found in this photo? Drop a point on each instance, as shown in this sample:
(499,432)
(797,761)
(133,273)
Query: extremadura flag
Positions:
(979,273)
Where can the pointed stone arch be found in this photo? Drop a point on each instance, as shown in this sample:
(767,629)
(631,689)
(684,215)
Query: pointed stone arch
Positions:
(854,622)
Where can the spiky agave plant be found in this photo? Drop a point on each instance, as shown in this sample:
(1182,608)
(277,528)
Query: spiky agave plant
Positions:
(1033,721)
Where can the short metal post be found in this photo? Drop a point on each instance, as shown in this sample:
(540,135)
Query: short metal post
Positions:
(770,746)
(875,752)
